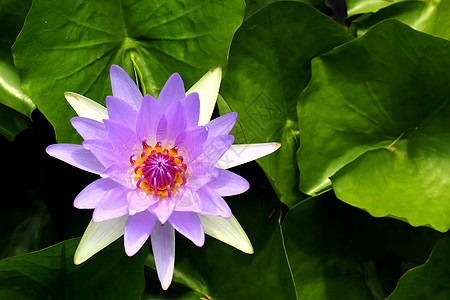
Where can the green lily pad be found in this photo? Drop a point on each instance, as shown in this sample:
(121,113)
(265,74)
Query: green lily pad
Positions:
(375,119)
(339,252)
(429,16)
(15,106)
(72,44)
(51,274)
(253,6)
(355,7)
(12,122)
(12,14)
(429,281)
(268,68)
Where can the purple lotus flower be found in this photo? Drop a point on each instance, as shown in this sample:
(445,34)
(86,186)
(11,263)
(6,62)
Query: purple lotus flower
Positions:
(162,167)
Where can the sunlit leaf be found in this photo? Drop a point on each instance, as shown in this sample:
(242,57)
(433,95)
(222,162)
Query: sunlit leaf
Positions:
(268,68)
(12,14)
(72,44)
(376,112)
(355,7)
(430,16)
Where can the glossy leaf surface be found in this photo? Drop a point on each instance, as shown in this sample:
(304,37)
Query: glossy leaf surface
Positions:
(382,136)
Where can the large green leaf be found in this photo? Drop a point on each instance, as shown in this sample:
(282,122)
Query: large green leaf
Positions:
(12,122)
(339,252)
(379,106)
(12,14)
(51,274)
(222,272)
(70,45)
(268,68)
(430,281)
(355,7)
(430,16)
(253,6)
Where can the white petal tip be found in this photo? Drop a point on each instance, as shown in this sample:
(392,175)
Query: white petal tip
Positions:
(242,153)
(228,231)
(77,260)
(97,236)
(208,89)
(217,68)
(86,107)
(165,286)
(249,250)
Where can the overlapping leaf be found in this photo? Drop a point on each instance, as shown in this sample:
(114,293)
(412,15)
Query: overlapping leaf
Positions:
(338,252)
(70,45)
(14,104)
(51,274)
(375,117)
(430,16)
(429,281)
(268,68)
(355,7)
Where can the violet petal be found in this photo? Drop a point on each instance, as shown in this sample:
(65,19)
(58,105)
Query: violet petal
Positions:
(123,87)
(92,194)
(88,128)
(139,200)
(113,205)
(121,112)
(149,118)
(172,92)
(222,124)
(213,204)
(187,199)
(201,173)
(191,105)
(190,142)
(137,230)
(102,150)
(77,156)
(229,184)
(123,140)
(120,173)
(163,208)
(176,123)
(189,225)
(215,148)
(163,246)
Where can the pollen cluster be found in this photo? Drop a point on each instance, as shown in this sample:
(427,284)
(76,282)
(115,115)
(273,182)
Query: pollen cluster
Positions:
(159,170)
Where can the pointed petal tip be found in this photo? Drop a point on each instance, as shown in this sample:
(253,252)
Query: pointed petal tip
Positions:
(97,236)
(217,68)
(177,77)
(228,231)
(247,248)
(207,88)
(49,149)
(165,285)
(277,145)
(85,107)
(77,260)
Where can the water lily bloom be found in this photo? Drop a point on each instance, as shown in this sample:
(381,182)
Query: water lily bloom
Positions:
(162,166)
